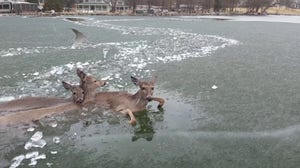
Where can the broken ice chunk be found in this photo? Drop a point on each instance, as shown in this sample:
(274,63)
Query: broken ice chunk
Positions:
(17,161)
(53,124)
(36,73)
(56,140)
(40,143)
(53,152)
(37,136)
(105,78)
(31,154)
(214,87)
(30,129)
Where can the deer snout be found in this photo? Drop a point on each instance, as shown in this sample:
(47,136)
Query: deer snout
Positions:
(79,101)
(149,98)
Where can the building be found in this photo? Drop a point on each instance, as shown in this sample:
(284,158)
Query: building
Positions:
(122,7)
(98,6)
(296,4)
(17,6)
(88,6)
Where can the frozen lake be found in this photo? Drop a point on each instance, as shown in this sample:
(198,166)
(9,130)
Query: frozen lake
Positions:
(231,88)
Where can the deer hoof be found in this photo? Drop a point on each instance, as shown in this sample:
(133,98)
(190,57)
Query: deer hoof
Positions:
(160,106)
(132,122)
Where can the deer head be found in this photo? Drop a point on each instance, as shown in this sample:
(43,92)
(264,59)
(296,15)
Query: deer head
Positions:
(89,83)
(77,92)
(146,88)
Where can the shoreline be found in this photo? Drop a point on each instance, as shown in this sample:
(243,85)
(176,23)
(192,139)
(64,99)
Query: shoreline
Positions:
(237,12)
(101,14)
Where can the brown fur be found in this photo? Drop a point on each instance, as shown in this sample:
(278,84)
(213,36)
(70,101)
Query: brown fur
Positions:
(36,114)
(127,103)
(89,84)
(28,103)
(35,108)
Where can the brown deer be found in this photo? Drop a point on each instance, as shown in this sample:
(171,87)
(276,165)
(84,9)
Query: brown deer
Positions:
(78,96)
(28,103)
(124,102)
(89,84)
(27,115)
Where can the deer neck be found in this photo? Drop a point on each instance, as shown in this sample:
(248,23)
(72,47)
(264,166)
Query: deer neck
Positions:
(89,94)
(138,98)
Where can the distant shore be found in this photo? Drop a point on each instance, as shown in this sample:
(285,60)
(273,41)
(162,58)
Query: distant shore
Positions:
(237,12)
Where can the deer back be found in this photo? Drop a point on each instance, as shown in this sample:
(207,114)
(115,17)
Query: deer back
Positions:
(27,103)
(30,115)
(39,107)
(119,101)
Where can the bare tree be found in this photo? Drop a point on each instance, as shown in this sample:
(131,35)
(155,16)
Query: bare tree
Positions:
(149,3)
(255,5)
(286,3)
(177,5)
(206,5)
(231,4)
(132,4)
(217,5)
(113,4)
(191,6)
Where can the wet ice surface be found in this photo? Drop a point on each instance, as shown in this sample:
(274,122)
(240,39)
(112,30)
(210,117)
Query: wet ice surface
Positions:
(119,58)
(32,156)
(269,18)
(227,123)
(74,129)
(29,156)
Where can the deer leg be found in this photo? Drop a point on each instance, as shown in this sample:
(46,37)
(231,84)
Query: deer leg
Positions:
(132,118)
(160,100)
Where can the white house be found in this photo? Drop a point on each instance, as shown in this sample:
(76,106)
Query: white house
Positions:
(296,4)
(17,6)
(88,6)
(96,6)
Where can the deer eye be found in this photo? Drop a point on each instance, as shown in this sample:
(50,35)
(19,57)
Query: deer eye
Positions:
(152,88)
(74,93)
(143,88)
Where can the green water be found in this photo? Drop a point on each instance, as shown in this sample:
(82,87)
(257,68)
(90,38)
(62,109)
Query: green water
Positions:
(250,120)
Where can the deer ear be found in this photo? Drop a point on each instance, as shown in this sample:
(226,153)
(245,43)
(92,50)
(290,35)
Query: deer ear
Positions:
(66,85)
(153,79)
(135,80)
(80,74)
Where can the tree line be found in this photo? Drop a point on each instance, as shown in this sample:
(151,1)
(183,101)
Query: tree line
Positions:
(252,6)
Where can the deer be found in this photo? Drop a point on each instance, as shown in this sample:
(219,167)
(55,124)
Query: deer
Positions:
(123,102)
(27,115)
(28,103)
(78,96)
(89,84)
